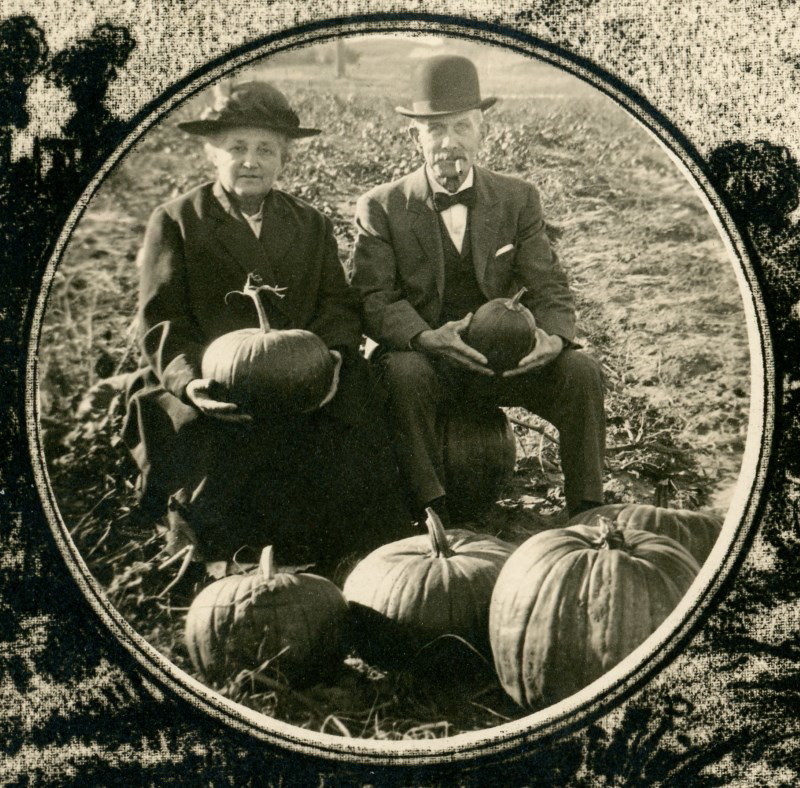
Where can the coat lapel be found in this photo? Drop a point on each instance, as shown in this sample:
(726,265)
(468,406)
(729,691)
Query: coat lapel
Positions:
(425,223)
(278,229)
(484,224)
(241,245)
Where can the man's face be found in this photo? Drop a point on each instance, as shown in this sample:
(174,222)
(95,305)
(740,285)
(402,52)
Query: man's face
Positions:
(448,141)
(248,161)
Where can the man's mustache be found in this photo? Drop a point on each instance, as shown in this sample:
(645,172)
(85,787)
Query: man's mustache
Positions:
(448,156)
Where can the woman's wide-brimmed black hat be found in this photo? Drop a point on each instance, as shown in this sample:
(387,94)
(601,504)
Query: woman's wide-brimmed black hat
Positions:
(253,104)
(445,84)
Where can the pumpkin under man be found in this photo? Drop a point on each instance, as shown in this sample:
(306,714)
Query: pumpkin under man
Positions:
(432,248)
(313,483)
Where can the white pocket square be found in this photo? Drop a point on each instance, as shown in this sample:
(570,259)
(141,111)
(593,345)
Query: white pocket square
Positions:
(504,249)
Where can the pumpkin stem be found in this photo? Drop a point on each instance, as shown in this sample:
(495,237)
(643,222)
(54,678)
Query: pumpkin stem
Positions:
(253,288)
(516,305)
(514,302)
(266,564)
(611,537)
(439,544)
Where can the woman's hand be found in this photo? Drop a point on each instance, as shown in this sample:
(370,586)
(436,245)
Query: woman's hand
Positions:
(337,360)
(199,392)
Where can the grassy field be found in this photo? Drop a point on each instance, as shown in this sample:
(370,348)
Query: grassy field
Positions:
(658,305)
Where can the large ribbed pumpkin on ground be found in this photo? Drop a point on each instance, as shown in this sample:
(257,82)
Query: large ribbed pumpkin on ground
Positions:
(503,330)
(294,620)
(696,531)
(264,370)
(479,455)
(572,602)
(425,592)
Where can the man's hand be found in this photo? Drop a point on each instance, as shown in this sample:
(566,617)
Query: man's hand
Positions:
(337,360)
(199,393)
(548,346)
(446,341)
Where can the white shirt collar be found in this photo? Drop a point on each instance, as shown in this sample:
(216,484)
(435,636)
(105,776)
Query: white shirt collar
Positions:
(257,215)
(437,187)
(254,220)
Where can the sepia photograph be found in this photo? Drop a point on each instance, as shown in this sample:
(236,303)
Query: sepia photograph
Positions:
(397,388)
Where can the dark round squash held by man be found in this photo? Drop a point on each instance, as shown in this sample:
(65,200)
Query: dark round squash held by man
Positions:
(293,622)
(503,330)
(696,531)
(421,595)
(267,371)
(573,602)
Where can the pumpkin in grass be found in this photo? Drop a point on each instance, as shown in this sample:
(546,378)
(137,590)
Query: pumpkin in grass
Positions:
(696,531)
(479,455)
(572,602)
(503,330)
(293,620)
(429,592)
(264,370)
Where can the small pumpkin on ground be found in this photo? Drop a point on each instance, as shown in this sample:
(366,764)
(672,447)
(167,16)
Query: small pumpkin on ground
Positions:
(573,602)
(265,371)
(239,622)
(503,330)
(479,455)
(423,592)
(696,531)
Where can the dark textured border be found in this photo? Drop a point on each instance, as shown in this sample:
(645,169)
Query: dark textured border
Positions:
(520,744)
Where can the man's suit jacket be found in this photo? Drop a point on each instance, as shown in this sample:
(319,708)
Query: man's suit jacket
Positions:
(398,260)
(197,249)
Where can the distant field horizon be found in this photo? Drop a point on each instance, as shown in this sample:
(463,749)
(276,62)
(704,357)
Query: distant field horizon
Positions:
(389,60)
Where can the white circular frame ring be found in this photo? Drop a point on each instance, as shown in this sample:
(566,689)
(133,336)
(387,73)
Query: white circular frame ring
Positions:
(653,654)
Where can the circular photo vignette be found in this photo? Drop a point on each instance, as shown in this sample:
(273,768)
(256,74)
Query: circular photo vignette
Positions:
(656,651)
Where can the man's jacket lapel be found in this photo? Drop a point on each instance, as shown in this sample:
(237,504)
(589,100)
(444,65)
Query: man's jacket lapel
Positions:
(484,222)
(425,223)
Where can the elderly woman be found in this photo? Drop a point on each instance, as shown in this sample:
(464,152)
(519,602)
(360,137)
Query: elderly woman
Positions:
(313,485)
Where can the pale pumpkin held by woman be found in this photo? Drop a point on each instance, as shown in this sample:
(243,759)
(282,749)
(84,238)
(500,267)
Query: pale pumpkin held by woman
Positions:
(253,418)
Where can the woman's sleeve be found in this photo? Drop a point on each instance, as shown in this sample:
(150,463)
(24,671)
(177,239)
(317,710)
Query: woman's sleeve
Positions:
(337,320)
(171,339)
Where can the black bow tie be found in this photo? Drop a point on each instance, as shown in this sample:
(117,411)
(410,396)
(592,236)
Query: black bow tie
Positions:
(442,201)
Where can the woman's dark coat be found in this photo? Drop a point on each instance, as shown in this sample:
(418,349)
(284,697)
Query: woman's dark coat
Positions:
(197,249)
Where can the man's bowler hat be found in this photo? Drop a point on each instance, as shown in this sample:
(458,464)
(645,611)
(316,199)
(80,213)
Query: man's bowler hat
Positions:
(254,104)
(445,84)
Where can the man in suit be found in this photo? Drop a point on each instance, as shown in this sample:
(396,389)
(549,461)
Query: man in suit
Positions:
(431,248)
(230,481)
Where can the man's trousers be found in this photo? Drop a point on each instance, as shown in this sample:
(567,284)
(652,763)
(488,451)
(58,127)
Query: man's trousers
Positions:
(568,393)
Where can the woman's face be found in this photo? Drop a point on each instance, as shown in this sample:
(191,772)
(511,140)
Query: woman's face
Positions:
(248,161)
